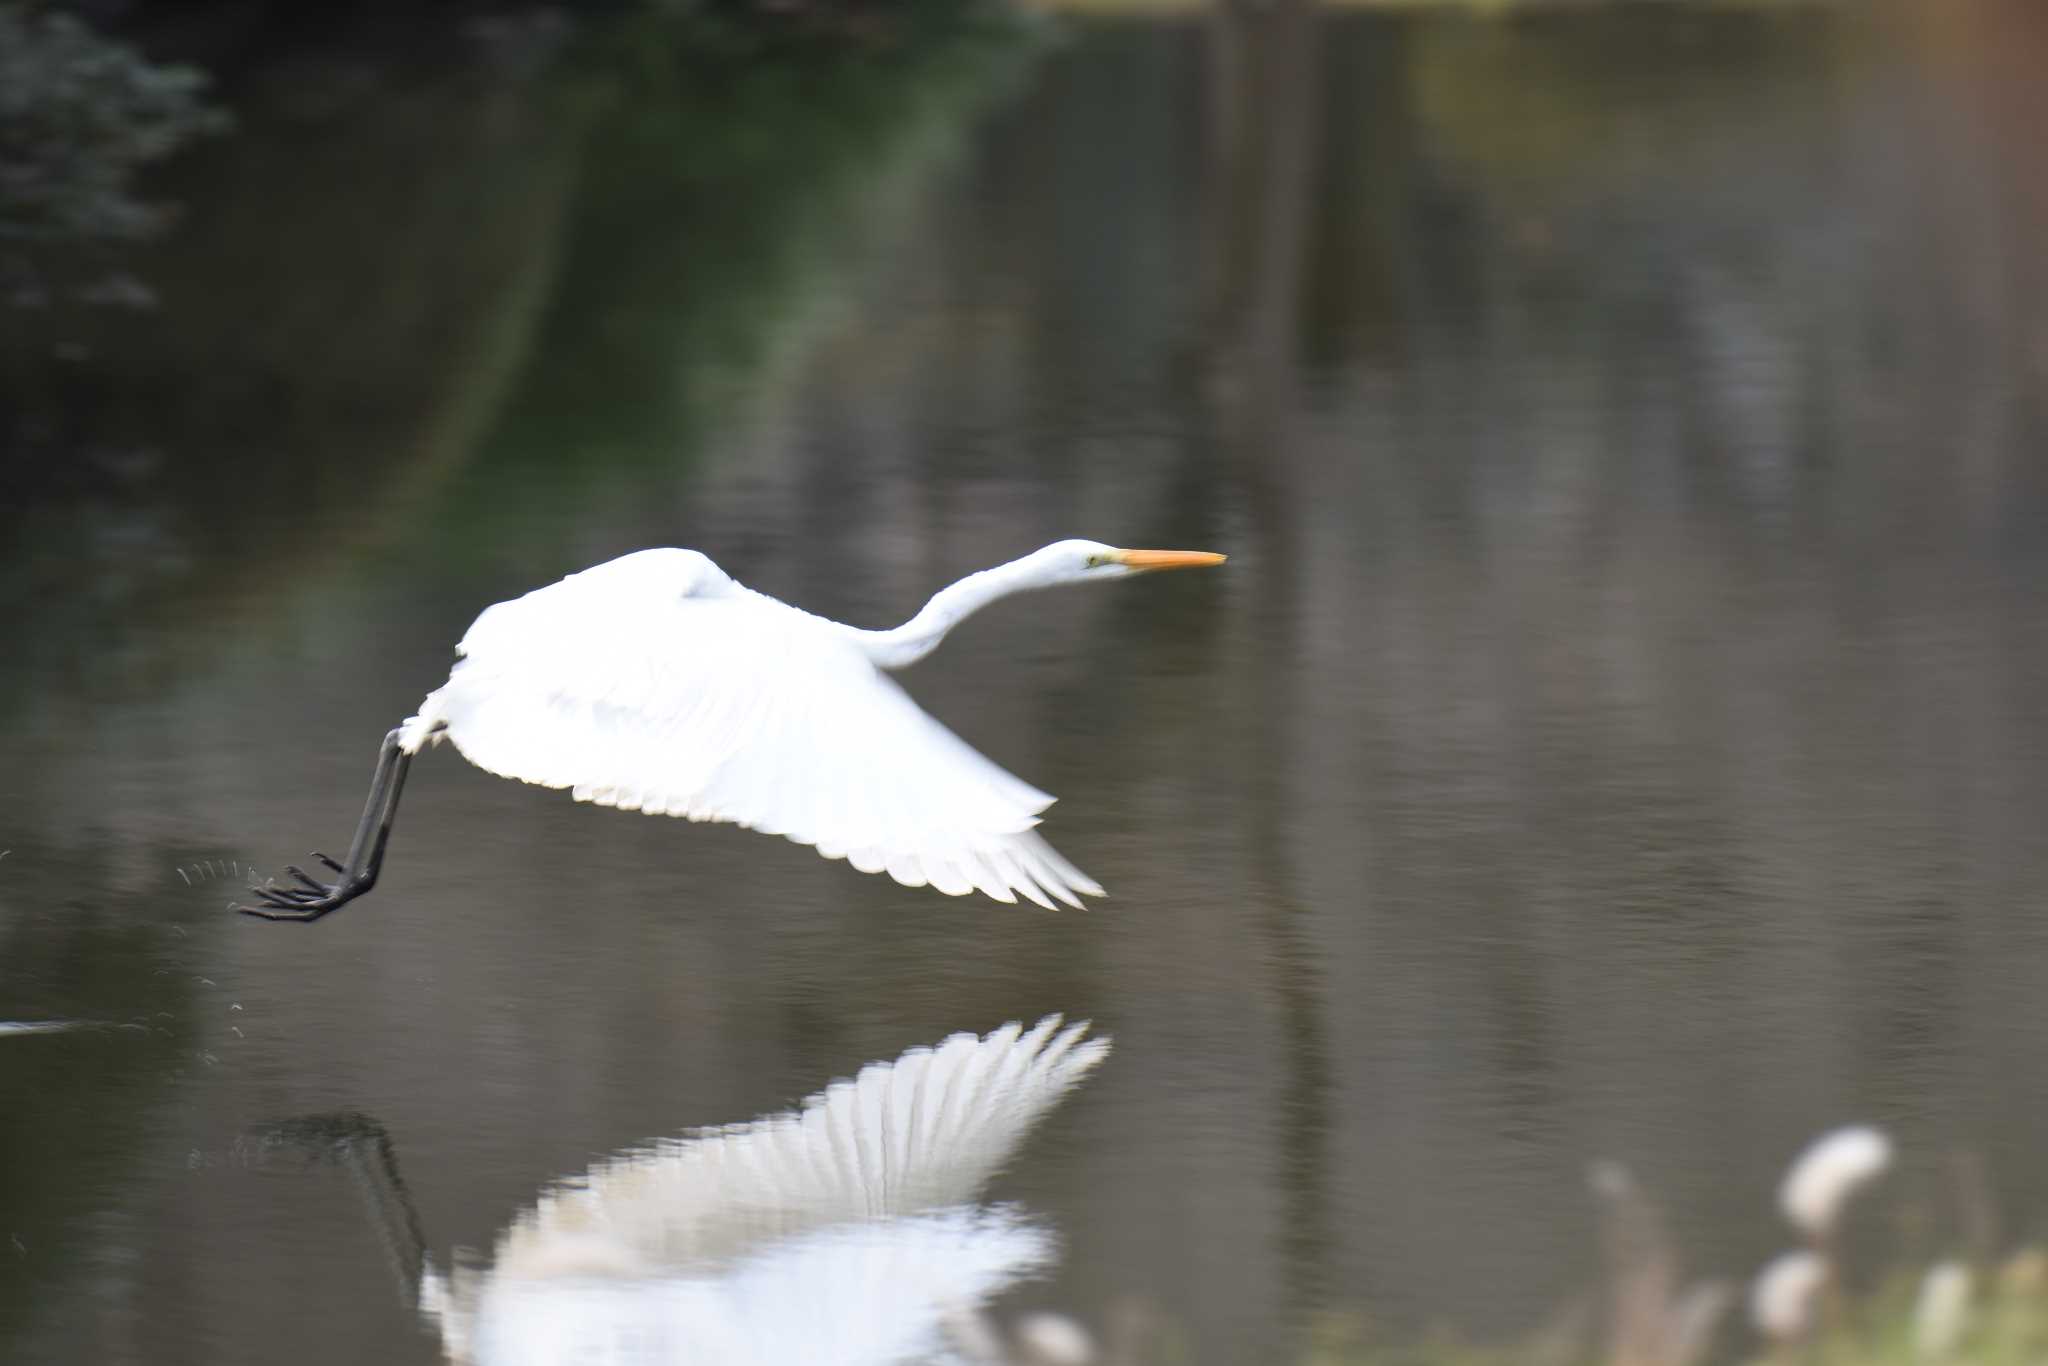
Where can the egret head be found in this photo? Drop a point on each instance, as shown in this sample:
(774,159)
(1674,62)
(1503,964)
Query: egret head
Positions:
(1092,561)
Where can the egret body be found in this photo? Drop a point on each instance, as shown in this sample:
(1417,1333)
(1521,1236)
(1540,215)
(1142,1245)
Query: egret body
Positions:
(657,683)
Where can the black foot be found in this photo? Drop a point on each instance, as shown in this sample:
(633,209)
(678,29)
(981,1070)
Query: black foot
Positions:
(312,899)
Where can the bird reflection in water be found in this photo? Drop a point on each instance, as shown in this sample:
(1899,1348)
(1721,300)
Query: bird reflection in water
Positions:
(845,1231)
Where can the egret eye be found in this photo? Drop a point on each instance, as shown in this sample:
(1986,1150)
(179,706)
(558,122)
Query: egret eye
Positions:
(1094,560)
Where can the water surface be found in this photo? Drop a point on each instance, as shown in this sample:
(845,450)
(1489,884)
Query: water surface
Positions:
(1621,730)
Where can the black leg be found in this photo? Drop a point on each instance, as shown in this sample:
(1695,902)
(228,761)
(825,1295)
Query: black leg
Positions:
(401,763)
(313,898)
(360,1144)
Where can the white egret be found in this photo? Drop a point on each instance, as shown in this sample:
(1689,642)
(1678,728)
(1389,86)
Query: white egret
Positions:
(848,1230)
(656,683)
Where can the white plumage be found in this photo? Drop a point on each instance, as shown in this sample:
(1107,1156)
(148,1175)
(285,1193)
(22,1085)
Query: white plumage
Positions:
(845,1227)
(879,1294)
(655,683)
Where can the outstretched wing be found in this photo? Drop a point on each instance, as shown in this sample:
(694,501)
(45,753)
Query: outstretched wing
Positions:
(922,1133)
(744,710)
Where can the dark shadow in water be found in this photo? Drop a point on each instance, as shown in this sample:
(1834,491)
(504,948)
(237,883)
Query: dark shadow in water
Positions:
(559,275)
(1264,125)
(85,1106)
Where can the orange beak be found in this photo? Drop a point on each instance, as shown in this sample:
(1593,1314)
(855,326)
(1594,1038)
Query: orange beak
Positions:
(1167,559)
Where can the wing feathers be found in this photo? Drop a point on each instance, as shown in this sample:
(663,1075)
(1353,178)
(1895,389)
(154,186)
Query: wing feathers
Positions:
(749,712)
(922,1133)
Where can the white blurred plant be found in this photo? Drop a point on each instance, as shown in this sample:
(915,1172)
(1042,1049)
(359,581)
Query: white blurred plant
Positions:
(1045,1339)
(1818,1185)
(1650,1314)
(1941,1312)
(1035,1339)
(1653,1317)
(1785,1297)
(1790,1295)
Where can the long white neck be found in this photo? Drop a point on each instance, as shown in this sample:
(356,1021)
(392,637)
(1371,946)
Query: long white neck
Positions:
(950,606)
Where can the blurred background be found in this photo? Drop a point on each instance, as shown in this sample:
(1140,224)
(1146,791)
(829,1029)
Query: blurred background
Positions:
(1621,731)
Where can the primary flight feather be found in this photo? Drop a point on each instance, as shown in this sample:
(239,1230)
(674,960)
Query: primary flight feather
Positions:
(656,683)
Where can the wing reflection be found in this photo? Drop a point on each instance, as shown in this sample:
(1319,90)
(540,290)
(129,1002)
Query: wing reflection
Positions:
(843,1231)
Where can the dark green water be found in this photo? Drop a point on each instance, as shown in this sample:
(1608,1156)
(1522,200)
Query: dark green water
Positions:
(1621,730)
